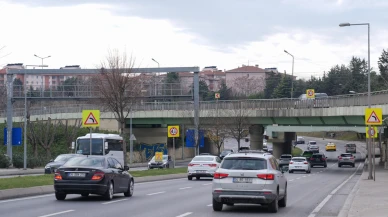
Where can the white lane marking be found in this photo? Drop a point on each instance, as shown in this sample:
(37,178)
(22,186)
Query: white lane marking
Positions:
(185,214)
(309,175)
(319,207)
(210,204)
(208,184)
(184,188)
(115,201)
(57,213)
(291,180)
(298,178)
(153,182)
(161,192)
(303,176)
(25,198)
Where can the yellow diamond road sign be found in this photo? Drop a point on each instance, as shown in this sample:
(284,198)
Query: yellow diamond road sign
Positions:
(90,118)
(158,156)
(173,131)
(371,132)
(373,116)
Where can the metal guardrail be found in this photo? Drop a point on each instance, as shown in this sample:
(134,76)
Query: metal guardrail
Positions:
(350,100)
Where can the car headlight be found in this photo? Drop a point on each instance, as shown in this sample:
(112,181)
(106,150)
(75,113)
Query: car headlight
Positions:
(47,167)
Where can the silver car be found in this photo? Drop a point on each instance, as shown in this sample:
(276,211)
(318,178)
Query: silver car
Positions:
(203,166)
(350,148)
(346,159)
(249,177)
(313,146)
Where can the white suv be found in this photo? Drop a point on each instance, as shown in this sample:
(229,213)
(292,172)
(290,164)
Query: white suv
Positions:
(249,177)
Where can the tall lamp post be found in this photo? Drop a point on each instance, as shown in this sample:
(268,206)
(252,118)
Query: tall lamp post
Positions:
(42,58)
(155,78)
(292,78)
(369,140)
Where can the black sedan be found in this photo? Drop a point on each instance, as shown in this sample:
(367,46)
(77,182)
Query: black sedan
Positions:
(59,161)
(101,175)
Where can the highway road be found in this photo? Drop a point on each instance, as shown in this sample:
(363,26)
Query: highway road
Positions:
(321,193)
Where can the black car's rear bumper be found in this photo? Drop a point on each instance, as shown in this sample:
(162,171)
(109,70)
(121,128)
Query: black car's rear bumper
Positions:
(80,188)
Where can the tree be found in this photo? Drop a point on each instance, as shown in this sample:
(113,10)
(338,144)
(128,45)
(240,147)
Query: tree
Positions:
(383,68)
(271,82)
(245,85)
(119,88)
(172,84)
(238,122)
(283,90)
(217,131)
(225,92)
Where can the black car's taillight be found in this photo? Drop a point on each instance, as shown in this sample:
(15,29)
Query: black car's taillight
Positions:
(98,175)
(57,176)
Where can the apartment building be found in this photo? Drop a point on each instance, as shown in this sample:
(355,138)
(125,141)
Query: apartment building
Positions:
(246,80)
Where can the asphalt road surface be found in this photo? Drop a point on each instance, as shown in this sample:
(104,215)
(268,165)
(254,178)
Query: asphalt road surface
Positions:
(321,193)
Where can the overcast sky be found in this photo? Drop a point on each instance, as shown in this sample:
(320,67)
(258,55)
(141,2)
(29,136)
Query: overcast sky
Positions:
(222,33)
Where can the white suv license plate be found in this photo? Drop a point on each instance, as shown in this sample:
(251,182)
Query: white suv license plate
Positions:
(77,174)
(242,180)
(201,171)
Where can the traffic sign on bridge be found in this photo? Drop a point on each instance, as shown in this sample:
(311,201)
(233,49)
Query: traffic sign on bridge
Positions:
(173,131)
(373,116)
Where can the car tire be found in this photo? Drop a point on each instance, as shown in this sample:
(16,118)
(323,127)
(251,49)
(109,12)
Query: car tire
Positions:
(283,201)
(274,205)
(189,177)
(353,165)
(339,165)
(290,171)
(85,194)
(325,166)
(217,206)
(60,196)
(108,195)
(131,187)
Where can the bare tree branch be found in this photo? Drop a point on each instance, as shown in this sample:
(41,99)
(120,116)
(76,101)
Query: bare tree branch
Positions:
(119,87)
(238,121)
(217,130)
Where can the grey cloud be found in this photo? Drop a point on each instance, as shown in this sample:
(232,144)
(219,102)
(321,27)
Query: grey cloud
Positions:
(230,22)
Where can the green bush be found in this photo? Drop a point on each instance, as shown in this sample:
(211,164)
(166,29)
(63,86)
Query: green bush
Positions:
(32,162)
(5,162)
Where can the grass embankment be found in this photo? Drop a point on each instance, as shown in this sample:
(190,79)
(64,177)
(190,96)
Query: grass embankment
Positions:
(48,179)
(296,152)
(346,136)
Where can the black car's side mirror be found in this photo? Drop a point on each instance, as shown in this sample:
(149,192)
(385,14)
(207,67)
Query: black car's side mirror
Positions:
(126,168)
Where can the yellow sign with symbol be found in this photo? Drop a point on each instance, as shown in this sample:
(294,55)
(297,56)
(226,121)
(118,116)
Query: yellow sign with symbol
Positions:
(158,156)
(371,132)
(90,118)
(310,93)
(373,116)
(173,131)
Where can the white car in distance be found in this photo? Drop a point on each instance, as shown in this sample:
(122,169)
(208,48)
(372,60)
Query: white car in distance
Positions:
(203,166)
(299,164)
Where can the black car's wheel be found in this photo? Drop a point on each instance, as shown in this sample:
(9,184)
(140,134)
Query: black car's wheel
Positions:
(274,205)
(283,201)
(60,196)
(353,165)
(109,192)
(189,177)
(131,187)
(85,194)
(290,171)
(217,206)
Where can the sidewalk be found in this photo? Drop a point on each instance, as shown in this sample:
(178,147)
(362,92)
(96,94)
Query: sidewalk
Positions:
(15,171)
(368,198)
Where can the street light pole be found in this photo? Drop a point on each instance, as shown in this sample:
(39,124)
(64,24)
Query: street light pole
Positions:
(155,78)
(292,76)
(370,176)
(42,58)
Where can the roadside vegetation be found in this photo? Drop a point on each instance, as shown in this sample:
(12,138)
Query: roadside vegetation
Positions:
(296,152)
(48,179)
(346,136)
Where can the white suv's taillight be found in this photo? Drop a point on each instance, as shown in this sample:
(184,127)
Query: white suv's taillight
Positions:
(266,176)
(220,175)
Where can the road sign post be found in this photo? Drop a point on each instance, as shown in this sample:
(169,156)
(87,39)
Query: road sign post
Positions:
(91,118)
(310,93)
(172,132)
(373,117)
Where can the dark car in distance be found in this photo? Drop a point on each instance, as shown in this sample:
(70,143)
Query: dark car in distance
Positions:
(225,152)
(284,160)
(318,160)
(101,175)
(59,161)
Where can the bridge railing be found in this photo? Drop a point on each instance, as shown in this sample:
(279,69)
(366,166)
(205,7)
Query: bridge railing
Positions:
(350,100)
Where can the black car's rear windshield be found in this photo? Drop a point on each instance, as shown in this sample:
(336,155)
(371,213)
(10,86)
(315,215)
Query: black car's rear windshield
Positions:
(317,156)
(350,145)
(313,143)
(239,163)
(85,162)
(286,157)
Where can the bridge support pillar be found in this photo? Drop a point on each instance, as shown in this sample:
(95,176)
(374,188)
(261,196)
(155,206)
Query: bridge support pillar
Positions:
(256,136)
(284,147)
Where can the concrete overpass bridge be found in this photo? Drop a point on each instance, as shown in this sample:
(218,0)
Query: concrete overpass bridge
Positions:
(337,113)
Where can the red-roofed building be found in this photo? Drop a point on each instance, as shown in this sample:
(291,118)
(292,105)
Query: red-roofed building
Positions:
(246,80)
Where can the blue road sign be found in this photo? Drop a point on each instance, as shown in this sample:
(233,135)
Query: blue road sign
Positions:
(190,141)
(16,136)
